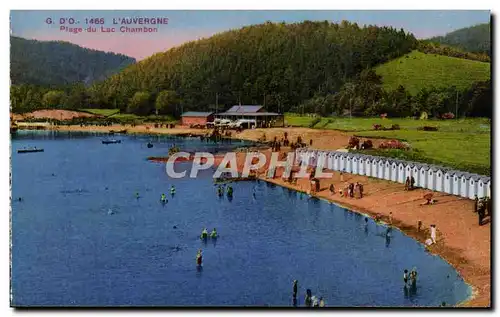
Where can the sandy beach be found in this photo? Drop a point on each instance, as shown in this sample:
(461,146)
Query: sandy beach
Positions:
(460,240)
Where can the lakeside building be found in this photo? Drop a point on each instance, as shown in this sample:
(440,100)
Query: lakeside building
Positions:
(196,117)
(253,112)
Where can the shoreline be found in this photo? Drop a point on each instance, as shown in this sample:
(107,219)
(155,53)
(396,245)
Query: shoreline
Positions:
(461,242)
(420,238)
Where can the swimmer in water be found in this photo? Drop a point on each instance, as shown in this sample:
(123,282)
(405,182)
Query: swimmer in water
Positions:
(163,198)
(199,258)
(213,234)
(137,195)
(204,233)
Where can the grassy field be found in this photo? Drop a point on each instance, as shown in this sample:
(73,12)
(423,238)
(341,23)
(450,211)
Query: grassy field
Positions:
(102,112)
(417,70)
(366,124)
(463,144)
(467,151)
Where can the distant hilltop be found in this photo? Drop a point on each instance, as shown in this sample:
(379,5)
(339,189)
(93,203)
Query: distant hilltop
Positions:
(56,63)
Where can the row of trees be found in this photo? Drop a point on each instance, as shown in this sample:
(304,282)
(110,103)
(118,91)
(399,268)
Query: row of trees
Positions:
(363,96)
(436,48)
(366,97)
(27,98)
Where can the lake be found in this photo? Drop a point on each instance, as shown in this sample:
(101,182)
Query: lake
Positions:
(68,250)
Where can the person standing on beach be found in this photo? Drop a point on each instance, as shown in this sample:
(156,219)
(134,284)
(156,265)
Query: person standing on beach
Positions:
(332,189)
(412,183)
(476,203)
(433,233)
(341,176)
(390,218)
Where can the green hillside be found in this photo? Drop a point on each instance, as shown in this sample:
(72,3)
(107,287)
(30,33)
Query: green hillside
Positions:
(285,64)
(475,39)
(417,70)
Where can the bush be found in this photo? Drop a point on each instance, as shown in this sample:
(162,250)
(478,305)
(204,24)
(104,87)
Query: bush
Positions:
(395,127)
(394,144)
(427,128)
(314,122)
(448,115)
(368,144)
(353,142)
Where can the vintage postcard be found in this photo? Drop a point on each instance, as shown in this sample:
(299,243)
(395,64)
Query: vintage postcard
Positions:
(328,159)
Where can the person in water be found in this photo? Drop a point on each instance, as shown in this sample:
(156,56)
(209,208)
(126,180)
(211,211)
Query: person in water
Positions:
(295,286)
(172,190)
(229,191)
(199,258)
(204,233)
(321,302)
(413,277)
(308,301)
(405,276)
(137,195)
(213,234)
(163,197)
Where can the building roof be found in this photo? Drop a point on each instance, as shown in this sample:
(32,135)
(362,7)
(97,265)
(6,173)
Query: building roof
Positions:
(245,108)
(196,114)
(254,114)
(475,177)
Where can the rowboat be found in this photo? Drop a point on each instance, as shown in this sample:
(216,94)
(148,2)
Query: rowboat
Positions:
(29,150)
(111,141)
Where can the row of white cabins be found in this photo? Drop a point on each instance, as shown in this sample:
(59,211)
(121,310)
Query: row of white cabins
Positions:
(436,178)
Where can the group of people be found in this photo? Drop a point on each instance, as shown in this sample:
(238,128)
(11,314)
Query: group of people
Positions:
(220,191)
(204,234)
(163,197)
(410,279)
(409,183)
(310,300)
(350,190)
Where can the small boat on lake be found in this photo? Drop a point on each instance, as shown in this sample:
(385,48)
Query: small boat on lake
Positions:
(29,150)
(111,141)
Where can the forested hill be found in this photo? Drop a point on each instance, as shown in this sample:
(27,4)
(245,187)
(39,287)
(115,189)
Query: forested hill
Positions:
(286,63)
(475,39)
(60,63)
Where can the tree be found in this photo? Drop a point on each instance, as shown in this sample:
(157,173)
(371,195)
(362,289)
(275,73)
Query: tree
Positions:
(166,102)
(77,97)
(52,99)
(139,103)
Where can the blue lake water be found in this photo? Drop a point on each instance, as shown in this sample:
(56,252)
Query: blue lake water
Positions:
(67,250)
